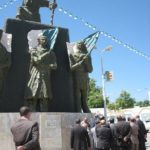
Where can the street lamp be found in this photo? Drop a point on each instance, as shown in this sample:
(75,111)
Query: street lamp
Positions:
(149,95)
(148,90)
(108,48)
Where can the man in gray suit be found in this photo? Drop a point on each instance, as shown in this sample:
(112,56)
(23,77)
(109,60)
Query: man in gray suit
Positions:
(26,132)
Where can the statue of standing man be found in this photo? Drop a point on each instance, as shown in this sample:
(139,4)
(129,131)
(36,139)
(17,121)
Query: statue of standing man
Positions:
(30,9)
(39,91)
(81,65)
(5,61)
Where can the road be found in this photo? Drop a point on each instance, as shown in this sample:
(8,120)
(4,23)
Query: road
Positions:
(148,142)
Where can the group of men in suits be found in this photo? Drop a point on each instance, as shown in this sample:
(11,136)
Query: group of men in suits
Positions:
(83,137)
(123,135)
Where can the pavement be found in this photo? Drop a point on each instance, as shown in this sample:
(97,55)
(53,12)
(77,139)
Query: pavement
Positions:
(148,142)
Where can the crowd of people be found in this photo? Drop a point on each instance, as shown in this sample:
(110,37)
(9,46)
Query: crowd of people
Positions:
(93,134)
(99,134)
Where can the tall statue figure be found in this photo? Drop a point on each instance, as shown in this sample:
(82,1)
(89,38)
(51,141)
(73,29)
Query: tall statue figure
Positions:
(81,65)
(5,61)
(38,91)
(30,9)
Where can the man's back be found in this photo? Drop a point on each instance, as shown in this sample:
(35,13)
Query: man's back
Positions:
(113,129)
(123,135)
(104,137)
(93,132)
(123,128)
(79,138)
(26,133)
(134,133)
(142,128)
(142,134)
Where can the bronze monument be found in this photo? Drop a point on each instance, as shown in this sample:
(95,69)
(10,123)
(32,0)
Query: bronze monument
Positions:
(5,61)
(39,91)
(30,9)
(80,64)
(31,79)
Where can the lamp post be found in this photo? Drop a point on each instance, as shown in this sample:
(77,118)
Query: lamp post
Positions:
(148,91)
(149,96)
(109,48)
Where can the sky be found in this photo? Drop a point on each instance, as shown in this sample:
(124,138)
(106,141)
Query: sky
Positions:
(126,20)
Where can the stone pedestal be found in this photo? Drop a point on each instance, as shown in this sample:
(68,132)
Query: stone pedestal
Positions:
(54,129)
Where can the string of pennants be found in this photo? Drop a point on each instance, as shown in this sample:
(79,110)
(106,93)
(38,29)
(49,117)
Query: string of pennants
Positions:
(113,38)
(92,27)
(6,4)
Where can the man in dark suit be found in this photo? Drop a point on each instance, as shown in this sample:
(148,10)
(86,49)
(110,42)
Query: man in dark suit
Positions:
(142,133)
(79,137)
(113,132)
(104,136)
(26,132)
(123,132)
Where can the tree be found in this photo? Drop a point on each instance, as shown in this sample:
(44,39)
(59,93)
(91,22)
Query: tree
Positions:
(125,100)
(113,106)
(144,103)
(95,98)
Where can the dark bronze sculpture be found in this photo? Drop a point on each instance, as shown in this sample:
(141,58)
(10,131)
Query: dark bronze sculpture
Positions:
(39,91)
(44,94)
(17,78)
(80,63)
(30,9)
(5,61)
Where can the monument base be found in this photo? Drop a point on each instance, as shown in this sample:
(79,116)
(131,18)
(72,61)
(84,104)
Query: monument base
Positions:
(55,129)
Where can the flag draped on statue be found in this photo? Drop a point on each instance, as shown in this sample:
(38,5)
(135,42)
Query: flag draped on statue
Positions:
(51,35)
(90,42)
(43,61)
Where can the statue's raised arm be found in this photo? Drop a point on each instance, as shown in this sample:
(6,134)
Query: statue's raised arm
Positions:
(29,10)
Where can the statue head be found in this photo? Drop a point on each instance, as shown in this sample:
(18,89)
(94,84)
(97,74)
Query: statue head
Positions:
(80,47)
(42,40)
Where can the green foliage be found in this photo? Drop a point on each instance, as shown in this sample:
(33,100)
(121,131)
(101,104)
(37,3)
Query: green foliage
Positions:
(125,100)
(144,103)
(95,98)
(113,106)
(122,102)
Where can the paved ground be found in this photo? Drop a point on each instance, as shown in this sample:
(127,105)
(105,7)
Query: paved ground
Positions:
(148,142)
